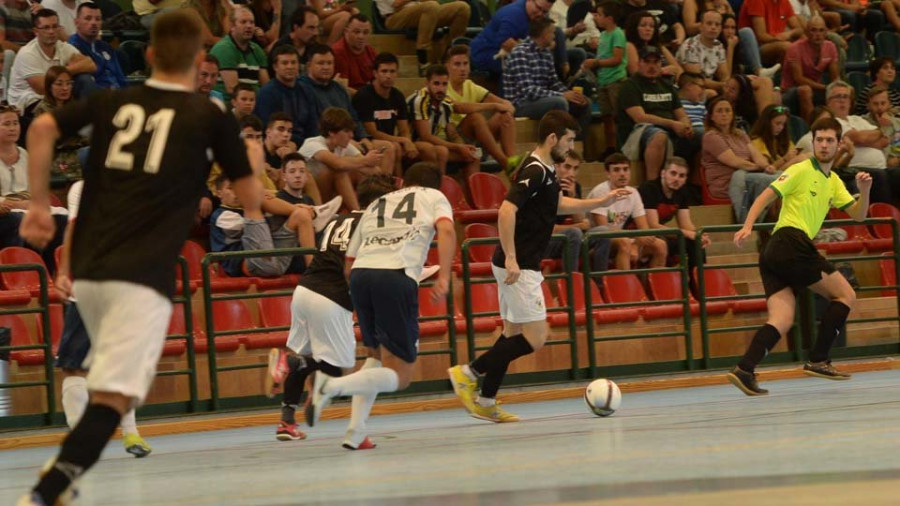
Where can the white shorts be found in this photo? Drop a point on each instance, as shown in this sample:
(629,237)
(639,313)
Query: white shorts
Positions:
(522,301)
(322,328)
(127,325)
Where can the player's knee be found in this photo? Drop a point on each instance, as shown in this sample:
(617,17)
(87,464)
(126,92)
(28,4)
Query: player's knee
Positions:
(299,217)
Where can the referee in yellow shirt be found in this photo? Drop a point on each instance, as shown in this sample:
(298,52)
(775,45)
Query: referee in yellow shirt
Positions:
(790,260)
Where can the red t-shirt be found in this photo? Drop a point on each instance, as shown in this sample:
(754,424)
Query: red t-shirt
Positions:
(802,52)
(356,68)
(775,12)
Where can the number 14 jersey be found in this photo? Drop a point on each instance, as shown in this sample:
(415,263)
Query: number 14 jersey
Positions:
(396,230)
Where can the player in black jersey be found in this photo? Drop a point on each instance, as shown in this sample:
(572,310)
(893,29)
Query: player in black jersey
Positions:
(152,147)
(525,225)
(321,336)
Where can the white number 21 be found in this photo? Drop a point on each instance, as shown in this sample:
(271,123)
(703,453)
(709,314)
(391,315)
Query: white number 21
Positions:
(130,120)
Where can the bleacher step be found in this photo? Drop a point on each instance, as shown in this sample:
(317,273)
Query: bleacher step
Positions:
(397,44)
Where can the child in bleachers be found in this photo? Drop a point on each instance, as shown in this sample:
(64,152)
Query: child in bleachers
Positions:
(693,99)
(610,65)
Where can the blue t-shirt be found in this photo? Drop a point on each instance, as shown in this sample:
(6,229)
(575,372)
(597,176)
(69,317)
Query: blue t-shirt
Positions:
(608,42)
(109,72)
(510,21)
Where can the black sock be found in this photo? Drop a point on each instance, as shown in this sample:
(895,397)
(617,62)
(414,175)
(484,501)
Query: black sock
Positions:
(765,339)
(834,318)
(80,450)
(484,363)
(502,353)
(296,362)
(331,370)
(293,386)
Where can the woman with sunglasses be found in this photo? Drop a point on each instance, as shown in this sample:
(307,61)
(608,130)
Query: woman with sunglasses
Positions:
(58,83)
(771,137)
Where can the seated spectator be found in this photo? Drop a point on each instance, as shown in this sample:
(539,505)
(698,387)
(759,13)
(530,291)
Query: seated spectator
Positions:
(705,55)
(641,30)
(324,92)
(207,77)
(216,15)
(353,55)
(240,59)
(805,64)
(335,16)
(88,23)
(857,15)
(244,100)
(735,169)
(692,13)
(583,34)
(267,14)
(748,95)
(880,115)
(304,30)
(651,116)
(295,176)
(426,16)
(66,10)
(627,250)
(382,110)
(610,65)
(742,50)
(149,9)
(774,24)
(669,28)
(806,9)
(26,82)
(508,27)
(771,137)
(574,226)
(334,162)
(286,94)
(891,8)
(883,73)
(16,26)
(666,198)
(845,150)
(66,164)
(277,145)
(430,110)
(692,95)
(479,114)
(538,89)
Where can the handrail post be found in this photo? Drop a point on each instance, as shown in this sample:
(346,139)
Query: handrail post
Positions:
(210,335)
(573,331)
(467,302)
(701,297)
(48,345)
(586,273)
(686,296)
(189,331)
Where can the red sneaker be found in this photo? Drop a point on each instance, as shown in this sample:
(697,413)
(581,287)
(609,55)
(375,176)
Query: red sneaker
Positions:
(287,432)
(366,444)
(277,372)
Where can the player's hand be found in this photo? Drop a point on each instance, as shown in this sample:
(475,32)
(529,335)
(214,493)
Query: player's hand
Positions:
(284,151)
(205,208)
(770,169)
(373,158)
(741,235)
(37,226)
(705,240)
(568,185)
(682,130)
(864,181)
(509,44)
(512,271)
(440,288)
(63,285)
(506,107)
(615,195)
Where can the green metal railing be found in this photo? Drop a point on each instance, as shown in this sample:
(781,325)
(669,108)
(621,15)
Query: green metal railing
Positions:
(184,298)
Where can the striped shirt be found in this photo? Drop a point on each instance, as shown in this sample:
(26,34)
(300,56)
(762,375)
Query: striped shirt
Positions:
(421,107)
(248,64)
(531,69)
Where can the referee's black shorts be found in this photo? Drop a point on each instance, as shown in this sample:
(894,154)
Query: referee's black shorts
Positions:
(790,259)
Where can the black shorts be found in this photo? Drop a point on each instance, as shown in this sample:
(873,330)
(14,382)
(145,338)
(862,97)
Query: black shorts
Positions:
(387,307)
(790,259)
(74,344)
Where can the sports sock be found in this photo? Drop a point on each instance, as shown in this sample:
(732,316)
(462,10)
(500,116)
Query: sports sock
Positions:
(364,382)
(80,450)
(361,404)
(507,350)
(765,339)
(472,375)
(296,362)
(331,370)
(485,402)
(487,360)
(129,424)
(834,318)
(293,386)
(74,399)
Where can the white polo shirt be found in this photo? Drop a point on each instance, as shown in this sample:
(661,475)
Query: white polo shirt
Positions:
(32,62)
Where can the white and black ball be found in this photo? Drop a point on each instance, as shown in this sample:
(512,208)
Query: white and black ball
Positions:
(603,397)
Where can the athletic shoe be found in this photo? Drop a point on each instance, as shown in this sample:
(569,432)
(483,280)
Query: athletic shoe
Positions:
(277,372)
(824,370)
(351,444)
(769,71)
(31,499)
(66,498)
(463,386)
(318,400)
(286,432)
(428,271)
(135,445)
(746,381)
(493,413)
(325,212)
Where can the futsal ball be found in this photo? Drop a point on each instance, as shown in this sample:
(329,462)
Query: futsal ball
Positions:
(603,397)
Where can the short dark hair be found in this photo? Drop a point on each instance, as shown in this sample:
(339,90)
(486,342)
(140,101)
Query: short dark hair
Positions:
(292,157)
(677,160)
(689,77)
(876,64)
(211,58)
(86,5)
(877,90)
(436,69)
(826,124)
(318,49)
(611,8)
(615,159)
(299,15)
(537,27)
(424,174)
(284,49)
(251,121)
(707,11)
(43,13)
(239,87)
(556,122)
(335,119)
(358,17)
(457,50)
(176,38)
(373,187)
(385,59)
(278,116)
(575,155)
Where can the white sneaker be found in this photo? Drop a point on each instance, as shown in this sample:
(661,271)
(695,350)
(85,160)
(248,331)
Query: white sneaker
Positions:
(770,71)
(325,212)
(428,271)
(319,399)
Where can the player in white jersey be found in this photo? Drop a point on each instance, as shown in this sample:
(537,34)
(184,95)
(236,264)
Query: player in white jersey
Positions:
(387,253)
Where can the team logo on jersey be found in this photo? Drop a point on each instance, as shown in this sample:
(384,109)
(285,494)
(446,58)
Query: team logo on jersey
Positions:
(782,178)
(525,181)
(812,193)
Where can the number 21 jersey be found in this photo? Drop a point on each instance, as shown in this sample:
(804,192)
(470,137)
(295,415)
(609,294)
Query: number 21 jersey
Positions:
(152,147)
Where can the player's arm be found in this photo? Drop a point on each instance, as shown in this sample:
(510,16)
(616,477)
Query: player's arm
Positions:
(37,226)
(81,64)
(860,208)
(686,224)
(63,282)
(652,219)
(568,205)
(230,79)
(506,226)
(759,205)
(446,239)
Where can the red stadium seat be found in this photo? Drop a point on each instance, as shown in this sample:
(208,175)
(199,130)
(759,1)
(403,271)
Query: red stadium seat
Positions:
(25,280)
(427,307)
(275,312)
(234,315)
(484,299)
(667,286)
(708,199)
(488,192)
(479,255)
(193,253)
(856,234)
(601,315)
(14,297)
(57,255)
(20,337)
(462,211)
(281,282)
(888,275)
(883,240)
(718,284)
(622,288)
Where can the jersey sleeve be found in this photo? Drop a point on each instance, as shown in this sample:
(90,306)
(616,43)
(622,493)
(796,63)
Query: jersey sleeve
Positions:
(441,207)
(74,116)
(73,199)
(788,181)
(228,149)
(841,198)
(529,181)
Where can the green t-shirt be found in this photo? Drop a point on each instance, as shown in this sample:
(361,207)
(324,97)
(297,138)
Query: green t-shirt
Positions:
(807,194)
(248,64)
(608,42)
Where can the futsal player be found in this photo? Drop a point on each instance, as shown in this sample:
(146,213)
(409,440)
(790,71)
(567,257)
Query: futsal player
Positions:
(321,336)
(388,251)
(790,260)
(525,226)
(151,151)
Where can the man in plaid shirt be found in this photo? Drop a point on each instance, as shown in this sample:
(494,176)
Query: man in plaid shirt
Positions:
(531,83)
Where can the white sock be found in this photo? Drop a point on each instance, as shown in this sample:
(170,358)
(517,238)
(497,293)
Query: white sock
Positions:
(370,363)
(128,423)
(74,398)
(364,382)
(469,372)
(361,404)
(485,402)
